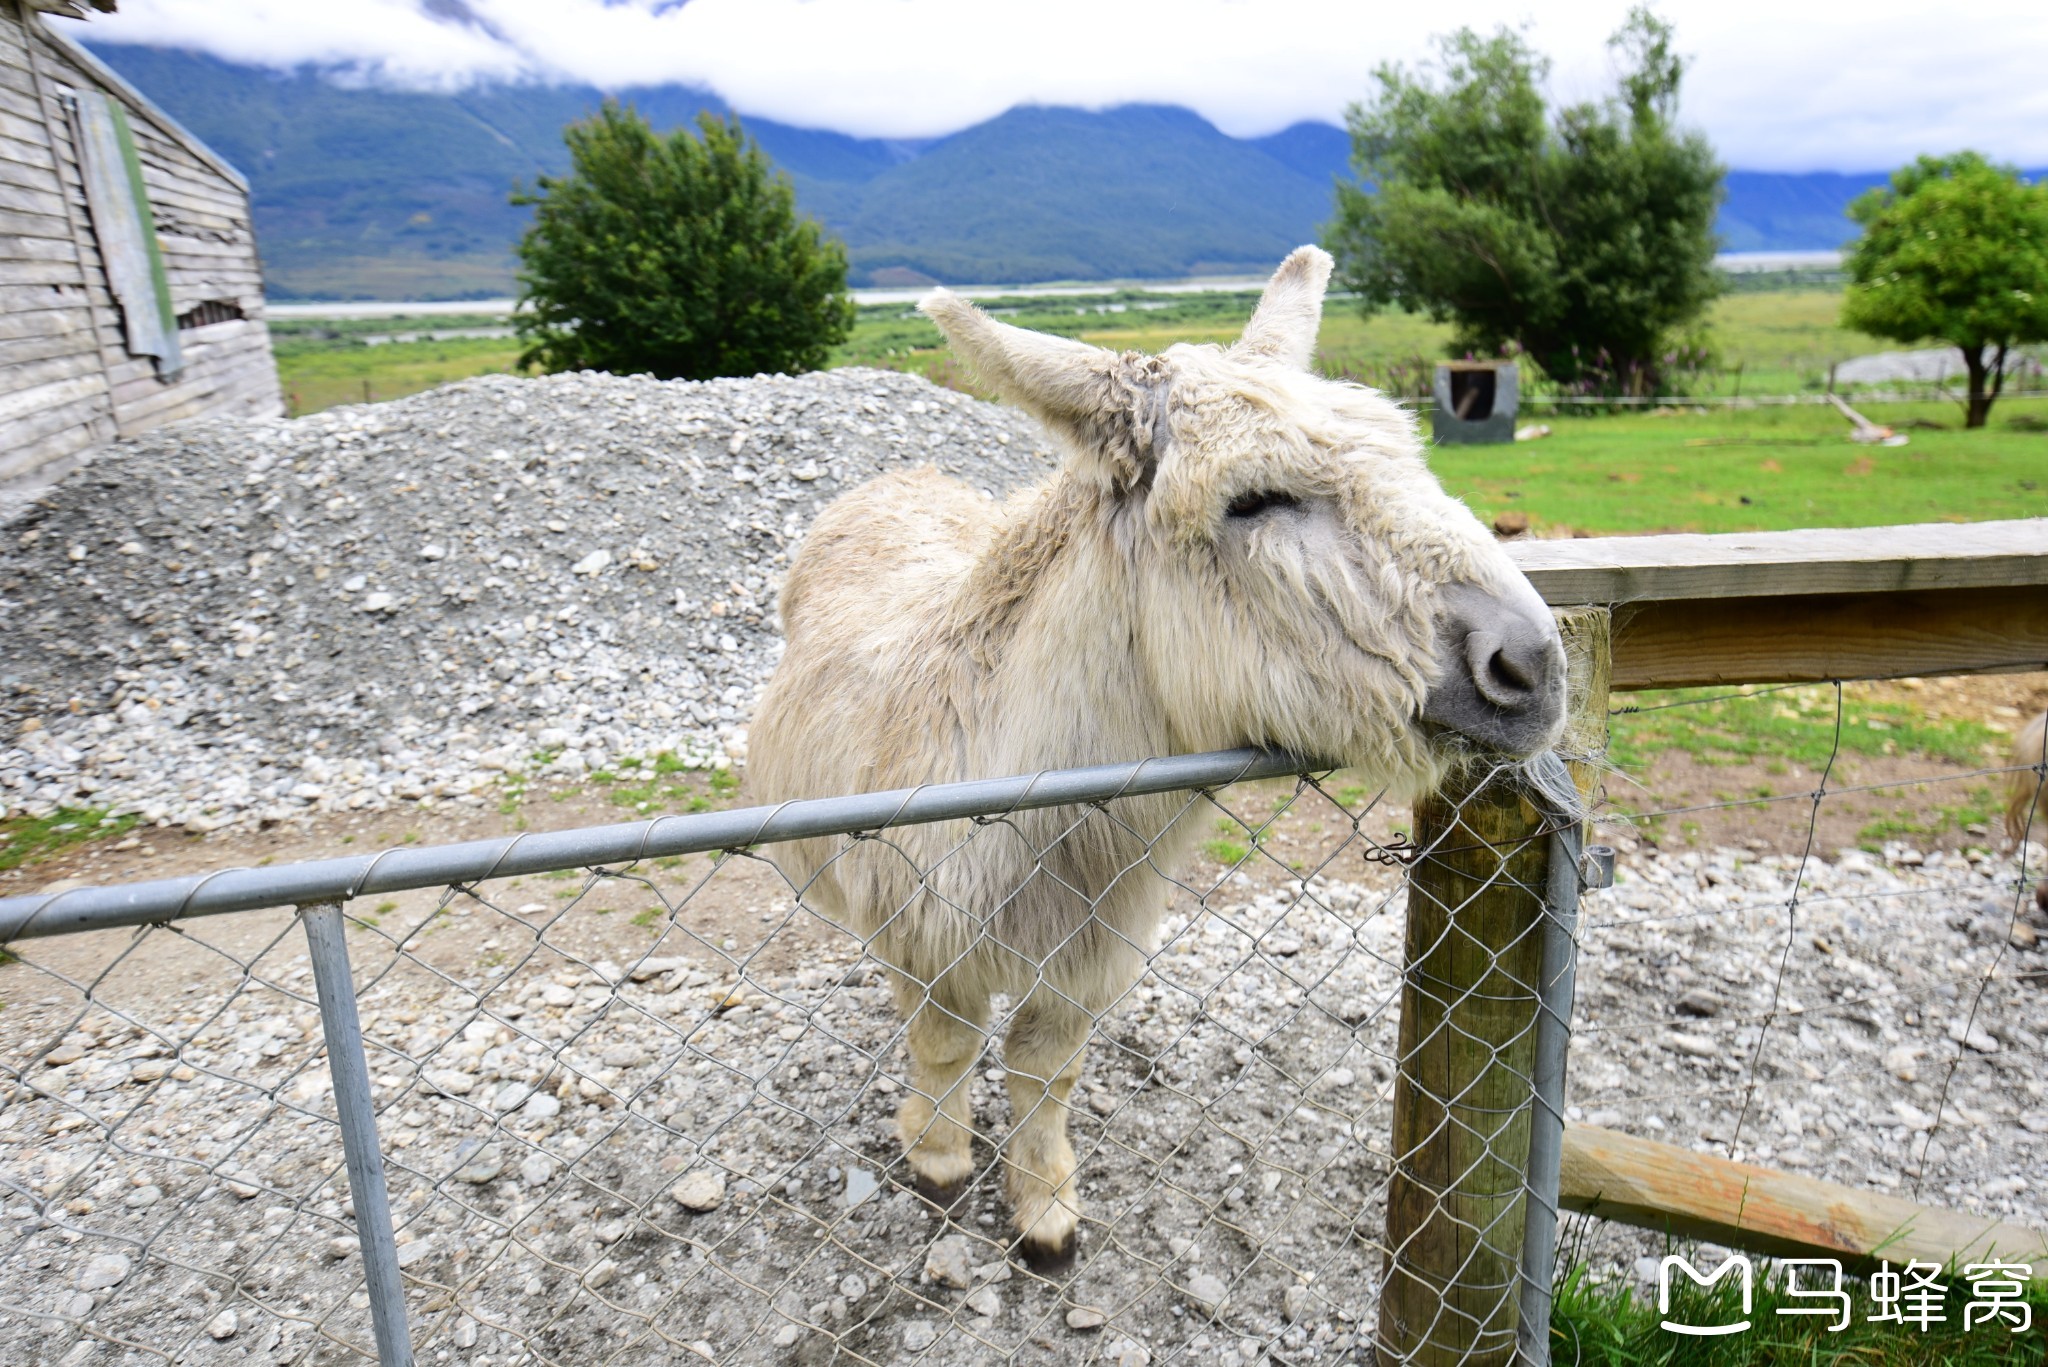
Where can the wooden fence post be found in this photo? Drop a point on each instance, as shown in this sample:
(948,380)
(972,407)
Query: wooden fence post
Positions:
(1462,1098)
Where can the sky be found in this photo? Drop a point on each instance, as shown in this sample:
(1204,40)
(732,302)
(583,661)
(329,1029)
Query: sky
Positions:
(1802,86)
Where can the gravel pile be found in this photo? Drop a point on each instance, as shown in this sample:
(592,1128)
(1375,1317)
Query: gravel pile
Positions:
(641,1157)
(233,619)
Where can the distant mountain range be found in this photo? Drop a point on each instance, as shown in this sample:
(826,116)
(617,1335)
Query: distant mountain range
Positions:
(369,193)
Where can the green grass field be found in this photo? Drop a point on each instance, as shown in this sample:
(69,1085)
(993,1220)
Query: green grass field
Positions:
(1756,469)
(325,363)
(1719,470)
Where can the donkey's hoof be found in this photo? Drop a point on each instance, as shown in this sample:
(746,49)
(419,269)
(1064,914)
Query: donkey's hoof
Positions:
(1050,1260)
(946,1196)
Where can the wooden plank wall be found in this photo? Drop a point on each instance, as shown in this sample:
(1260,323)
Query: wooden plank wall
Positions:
(54,397)
(63,361)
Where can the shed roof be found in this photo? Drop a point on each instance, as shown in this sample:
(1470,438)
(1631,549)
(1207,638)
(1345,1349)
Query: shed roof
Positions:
(73,9)
(113,81)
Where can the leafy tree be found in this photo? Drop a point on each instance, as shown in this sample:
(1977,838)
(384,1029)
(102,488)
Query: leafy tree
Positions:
(1955,250)
(1582,236)
(681,257)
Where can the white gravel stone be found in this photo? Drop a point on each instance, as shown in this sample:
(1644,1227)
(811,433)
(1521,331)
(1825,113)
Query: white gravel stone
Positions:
(449,1081)
(1208,1293)
(701,1191)
(948,1262)
(103,1270)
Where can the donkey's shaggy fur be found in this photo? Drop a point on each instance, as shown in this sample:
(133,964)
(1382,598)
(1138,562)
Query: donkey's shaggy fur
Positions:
(1234,552)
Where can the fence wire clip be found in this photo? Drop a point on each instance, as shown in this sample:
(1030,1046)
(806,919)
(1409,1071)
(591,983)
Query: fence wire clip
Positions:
(1398,853)
(1596,867)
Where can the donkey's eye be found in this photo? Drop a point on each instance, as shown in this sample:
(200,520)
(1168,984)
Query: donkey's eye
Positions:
(1259,501)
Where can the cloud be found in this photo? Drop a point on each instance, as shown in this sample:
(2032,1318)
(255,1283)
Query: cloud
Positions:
(387,40)
(1791,87)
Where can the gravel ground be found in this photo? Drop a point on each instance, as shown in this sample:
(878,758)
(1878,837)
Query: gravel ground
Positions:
(236,621)
(649,1144)
(648,1119)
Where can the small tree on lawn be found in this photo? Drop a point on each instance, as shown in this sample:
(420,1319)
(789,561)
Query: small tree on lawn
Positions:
(1954,250)
(677,256)
(1583,235)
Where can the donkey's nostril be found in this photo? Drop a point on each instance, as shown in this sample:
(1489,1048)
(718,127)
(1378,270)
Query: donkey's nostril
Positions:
(1507,675)
(1504,684)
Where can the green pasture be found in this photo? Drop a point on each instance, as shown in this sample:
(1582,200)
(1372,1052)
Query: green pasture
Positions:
(1770,742)
(1713,470)
(1757,342)
(325,363)
(1783,725)
(1759,469)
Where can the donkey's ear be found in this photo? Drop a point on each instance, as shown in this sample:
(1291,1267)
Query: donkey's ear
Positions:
(1078,391)
(1283,328)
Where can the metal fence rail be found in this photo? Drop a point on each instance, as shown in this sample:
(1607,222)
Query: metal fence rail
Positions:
(403,869)
(626,1098)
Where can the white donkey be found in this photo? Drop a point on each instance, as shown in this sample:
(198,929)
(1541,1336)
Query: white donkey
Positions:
(1234,552)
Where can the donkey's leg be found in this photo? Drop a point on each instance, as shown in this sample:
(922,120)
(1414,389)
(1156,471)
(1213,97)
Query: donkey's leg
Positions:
(1043,1050)
(935,1119)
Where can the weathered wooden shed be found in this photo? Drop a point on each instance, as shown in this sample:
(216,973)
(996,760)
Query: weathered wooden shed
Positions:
(130,292)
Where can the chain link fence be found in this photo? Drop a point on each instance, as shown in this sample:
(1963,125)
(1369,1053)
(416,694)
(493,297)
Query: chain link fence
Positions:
(636,1101)
(1824,953)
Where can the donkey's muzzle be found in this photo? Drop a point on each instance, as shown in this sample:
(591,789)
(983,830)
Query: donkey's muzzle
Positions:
(1501,683)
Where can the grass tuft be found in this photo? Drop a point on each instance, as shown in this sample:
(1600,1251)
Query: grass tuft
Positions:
(29,840)
(1778,725)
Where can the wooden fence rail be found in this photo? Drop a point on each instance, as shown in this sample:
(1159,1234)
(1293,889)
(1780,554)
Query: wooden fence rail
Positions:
(1792,607)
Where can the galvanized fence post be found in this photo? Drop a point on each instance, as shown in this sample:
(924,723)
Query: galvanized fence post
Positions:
(326,940)
(1546,1122)
(1574,867)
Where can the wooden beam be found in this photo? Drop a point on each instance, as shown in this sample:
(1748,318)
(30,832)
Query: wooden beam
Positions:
(1634,569)
(1695,1195)
(1803,637)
